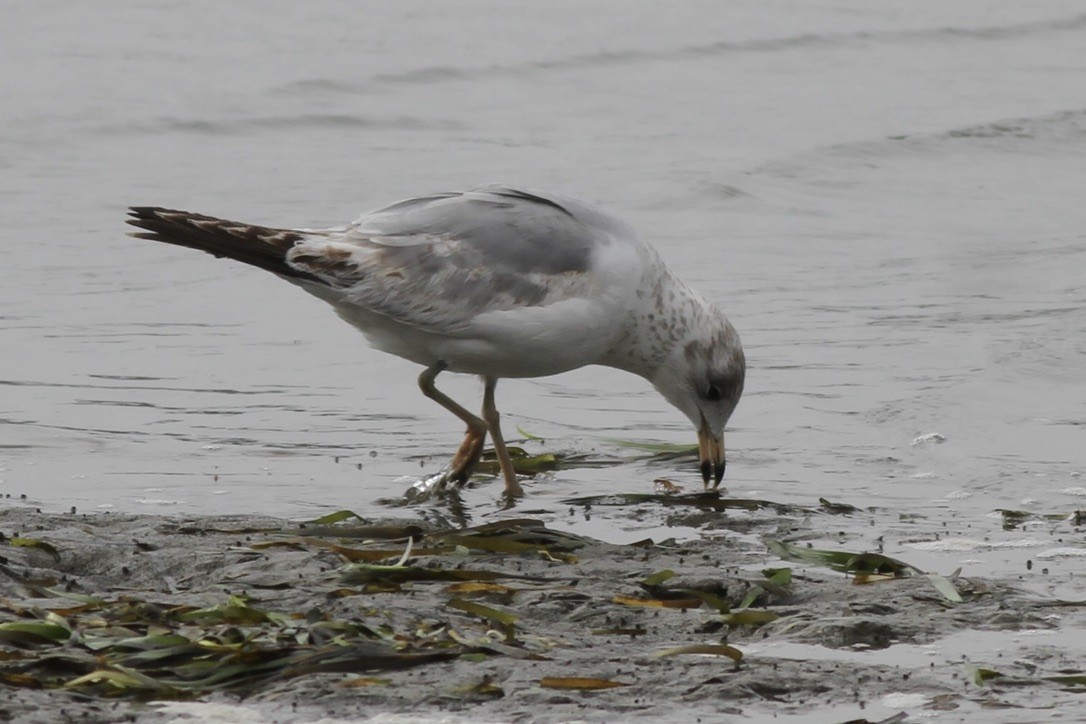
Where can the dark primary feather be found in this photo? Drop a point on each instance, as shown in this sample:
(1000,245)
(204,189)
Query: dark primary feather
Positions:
(259,246)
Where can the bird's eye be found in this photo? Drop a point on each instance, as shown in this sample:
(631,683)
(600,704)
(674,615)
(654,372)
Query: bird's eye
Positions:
(714,393)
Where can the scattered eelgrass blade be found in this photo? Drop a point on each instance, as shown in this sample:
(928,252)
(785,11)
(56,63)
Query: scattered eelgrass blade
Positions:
(709,599)
(503,619)
(360,681)
(97,639)
(527,435)
(236,611)
(503,544)
(196,678)
(776,583)
(705,649)
(295,545)
(354,555)
(57,620)
(577,683)
(91,602)
(657,578)
(692,602)
(156,641)
(479,588)
(517,536)
(944,586)
(406,552)
(837,508)
(337,517)
(161,657)
(500,617)
(855,563)
(1075,680)
(980,675)
(779,577)
(863,578)
(366,573)
(367,532)
(1013,518)
(1060,603)
(366,656)
(24,633)
(706,500)
(179,656)
(527,530)
(751,598)
(523,463)
(485,688)
(14,679)
(121,681)
(36,543)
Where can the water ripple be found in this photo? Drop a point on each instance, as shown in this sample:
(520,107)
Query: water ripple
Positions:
(301,121)
(444,74)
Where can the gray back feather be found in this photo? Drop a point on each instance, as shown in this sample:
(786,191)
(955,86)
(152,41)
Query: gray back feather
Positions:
(437,262)
(522,231)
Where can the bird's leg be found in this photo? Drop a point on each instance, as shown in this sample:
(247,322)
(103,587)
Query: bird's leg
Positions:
(467,455)
(490,414)
(459,470)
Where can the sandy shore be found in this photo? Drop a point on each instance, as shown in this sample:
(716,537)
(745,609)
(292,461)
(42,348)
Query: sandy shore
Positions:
(508,622)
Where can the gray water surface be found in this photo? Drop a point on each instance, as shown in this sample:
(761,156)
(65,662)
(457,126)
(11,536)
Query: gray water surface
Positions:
(885,199)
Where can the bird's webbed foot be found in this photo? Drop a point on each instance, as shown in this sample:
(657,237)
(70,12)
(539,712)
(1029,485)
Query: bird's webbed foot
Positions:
(456,473)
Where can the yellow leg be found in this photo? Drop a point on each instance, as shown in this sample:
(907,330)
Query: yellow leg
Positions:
(492,418)
(471,448)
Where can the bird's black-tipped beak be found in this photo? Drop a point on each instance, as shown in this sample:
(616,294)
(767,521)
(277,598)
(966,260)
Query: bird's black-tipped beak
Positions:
(711,453)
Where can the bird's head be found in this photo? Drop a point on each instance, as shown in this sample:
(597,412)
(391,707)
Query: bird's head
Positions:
(703,377)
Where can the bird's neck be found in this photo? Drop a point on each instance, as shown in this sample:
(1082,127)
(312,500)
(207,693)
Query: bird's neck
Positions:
(662,315)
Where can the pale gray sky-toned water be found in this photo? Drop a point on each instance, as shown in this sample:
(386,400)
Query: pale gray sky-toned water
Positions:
(885,199)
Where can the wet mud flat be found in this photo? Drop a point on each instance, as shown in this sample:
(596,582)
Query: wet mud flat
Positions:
(113,617)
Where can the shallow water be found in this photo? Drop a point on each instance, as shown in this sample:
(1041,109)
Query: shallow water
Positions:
(886,199)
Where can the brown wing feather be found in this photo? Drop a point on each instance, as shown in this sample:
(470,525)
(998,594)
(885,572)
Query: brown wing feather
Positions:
(258,246)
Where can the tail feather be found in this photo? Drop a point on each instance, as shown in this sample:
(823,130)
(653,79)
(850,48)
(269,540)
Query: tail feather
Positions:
(259,246)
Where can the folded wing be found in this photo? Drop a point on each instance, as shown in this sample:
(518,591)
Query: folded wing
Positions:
(439,262)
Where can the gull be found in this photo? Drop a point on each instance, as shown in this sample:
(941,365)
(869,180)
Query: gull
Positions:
(499,282)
